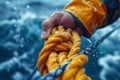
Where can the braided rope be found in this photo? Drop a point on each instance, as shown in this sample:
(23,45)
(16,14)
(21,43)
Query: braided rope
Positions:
(63,45)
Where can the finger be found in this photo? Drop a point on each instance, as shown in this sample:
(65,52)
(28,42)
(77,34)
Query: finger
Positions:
(79,30)
(56,17)
(68,21)
(51,22)
(47,26)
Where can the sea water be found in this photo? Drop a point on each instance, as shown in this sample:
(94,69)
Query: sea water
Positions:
(20,42)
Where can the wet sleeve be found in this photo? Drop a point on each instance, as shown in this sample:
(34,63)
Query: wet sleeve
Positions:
(93,14)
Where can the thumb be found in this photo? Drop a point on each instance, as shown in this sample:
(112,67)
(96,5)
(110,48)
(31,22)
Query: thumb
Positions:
(46,29)
(51,22)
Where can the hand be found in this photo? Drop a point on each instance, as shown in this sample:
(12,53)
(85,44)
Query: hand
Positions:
(59,18)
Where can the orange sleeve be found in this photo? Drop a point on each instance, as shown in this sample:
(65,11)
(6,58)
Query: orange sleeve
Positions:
(89,14)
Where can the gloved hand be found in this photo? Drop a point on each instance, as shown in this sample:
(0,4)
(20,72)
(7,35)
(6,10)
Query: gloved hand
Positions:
(59,18)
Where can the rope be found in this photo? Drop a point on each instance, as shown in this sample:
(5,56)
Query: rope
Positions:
(61,46)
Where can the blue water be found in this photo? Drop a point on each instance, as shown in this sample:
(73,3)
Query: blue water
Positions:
(20,42)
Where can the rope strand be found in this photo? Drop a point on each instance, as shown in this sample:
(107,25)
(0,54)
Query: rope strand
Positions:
(61,46)
(62,57)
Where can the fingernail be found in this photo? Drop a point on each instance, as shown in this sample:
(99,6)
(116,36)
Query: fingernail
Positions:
(43,34)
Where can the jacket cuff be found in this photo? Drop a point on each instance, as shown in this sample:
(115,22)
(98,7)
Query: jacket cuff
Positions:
(90,15)
(86,33)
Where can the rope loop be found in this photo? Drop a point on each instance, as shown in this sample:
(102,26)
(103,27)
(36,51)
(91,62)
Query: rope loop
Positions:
(62,45)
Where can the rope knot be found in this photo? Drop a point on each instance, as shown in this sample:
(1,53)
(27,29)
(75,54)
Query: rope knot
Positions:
(62,45)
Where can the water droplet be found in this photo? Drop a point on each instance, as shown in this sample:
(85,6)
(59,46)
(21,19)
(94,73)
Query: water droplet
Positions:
(16,36)
(21,40)
(15,8)
(28,6)
(95,9)
(93,55)
(7,2)
(56,9)
(15,53)
(57,32)
(89,41)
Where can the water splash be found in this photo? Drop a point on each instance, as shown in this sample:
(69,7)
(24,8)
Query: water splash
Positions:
(110,67)
(92,47)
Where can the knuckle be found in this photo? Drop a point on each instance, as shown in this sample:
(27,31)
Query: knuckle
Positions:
(44,24)
(58,13)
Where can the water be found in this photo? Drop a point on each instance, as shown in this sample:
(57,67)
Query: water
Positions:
(20,42)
